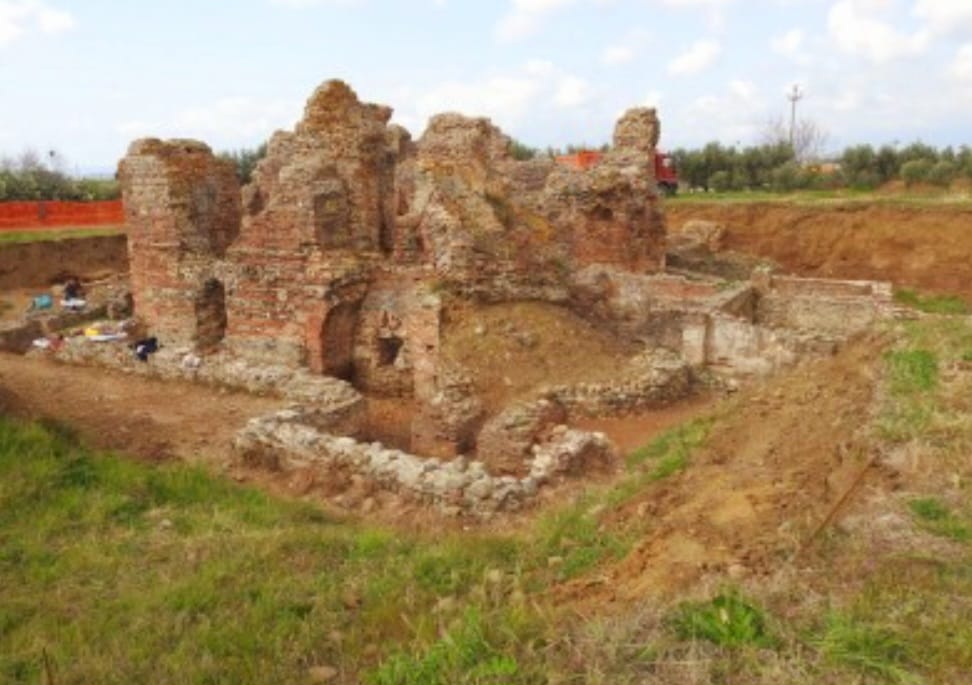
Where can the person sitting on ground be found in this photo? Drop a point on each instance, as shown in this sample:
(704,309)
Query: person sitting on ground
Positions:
(145,347)
(73,290)
(73,295)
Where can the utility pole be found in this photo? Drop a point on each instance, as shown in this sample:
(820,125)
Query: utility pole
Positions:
(793,96)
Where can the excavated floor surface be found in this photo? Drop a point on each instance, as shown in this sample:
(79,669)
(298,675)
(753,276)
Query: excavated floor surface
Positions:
(512,349)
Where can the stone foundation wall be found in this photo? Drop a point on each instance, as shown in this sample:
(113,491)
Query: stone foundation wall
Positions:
(282,441)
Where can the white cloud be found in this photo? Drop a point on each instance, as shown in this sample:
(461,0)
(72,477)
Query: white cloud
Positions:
(744,90)
(617,54)
(696,3)
(626,48)
(734,115)
(304,4)
(536,89)
(225,122)
(946,16)
(572,91)
(858,28)
(525,17)
(18,18)
(962,64)
(505,98)
(788,44)
(652,99)
(699,56)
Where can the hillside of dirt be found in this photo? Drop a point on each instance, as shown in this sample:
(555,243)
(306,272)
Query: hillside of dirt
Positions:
(923,246)
(779,461)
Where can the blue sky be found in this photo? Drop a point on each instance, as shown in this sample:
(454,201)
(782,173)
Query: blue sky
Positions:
(86,78)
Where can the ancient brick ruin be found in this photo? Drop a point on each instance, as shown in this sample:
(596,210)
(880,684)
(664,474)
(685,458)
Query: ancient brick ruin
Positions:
(337,263)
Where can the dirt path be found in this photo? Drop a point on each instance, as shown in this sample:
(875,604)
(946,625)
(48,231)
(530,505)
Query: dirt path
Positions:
(147,418)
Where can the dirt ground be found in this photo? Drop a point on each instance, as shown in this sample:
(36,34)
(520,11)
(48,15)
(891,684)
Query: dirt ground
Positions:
(512,349)
(147,418)
(924,247)
(781,458)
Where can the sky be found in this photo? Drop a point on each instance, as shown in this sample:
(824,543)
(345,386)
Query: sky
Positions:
(85,78)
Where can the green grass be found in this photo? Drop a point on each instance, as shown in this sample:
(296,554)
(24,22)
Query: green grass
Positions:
(932,304)
(669,452)
(828,198)
(67,233)
(912,371)
(872,649)
(122,572)
(727,620)
(934,516)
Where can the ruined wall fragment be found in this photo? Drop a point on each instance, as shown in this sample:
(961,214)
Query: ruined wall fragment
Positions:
(182,213)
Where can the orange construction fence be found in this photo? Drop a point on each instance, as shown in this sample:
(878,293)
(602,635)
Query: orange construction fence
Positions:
(55,214)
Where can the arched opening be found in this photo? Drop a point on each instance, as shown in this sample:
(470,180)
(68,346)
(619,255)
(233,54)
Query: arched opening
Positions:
(388,349)
(210,306)
(337,341)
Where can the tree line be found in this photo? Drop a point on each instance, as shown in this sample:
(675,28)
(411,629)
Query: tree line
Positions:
(31,178)
(775,166)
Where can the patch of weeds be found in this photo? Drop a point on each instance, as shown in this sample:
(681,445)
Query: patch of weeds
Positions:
(576,536)
(727,620)
(938,519)
(467,654)
(670,451)
(874,650)
(931,304)
(912,371)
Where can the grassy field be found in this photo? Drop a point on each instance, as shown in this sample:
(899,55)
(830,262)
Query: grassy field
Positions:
(114,571)
(904,197)
(66,233)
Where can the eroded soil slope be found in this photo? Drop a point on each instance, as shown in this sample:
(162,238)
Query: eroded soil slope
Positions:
(923,247)
(781,459)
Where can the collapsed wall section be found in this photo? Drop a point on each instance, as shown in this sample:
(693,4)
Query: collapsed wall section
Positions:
(505,229)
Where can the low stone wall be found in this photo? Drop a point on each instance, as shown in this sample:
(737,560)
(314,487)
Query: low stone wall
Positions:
(656,377)
(460,485)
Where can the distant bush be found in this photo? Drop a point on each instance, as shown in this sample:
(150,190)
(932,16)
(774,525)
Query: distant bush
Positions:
(916,171)
(522,151)
(245,160)
(29,178)
(720,181)
(942,174)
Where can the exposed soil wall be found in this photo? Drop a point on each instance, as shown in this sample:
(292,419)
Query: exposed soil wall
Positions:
(47,262)
(929,248)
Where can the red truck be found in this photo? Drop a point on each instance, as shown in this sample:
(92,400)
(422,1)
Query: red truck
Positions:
(665,173)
